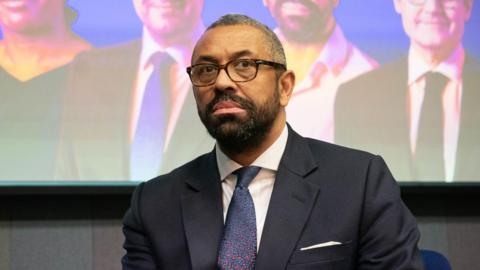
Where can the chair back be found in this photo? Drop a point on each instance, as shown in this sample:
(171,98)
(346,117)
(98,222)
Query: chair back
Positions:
(434,260)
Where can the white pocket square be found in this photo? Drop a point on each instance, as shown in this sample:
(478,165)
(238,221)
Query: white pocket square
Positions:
(326,244)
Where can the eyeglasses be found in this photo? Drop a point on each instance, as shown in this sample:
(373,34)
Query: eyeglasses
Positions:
(422,2)
(239,70)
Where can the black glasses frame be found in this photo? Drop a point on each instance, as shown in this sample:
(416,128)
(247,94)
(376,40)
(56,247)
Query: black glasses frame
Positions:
(257,62)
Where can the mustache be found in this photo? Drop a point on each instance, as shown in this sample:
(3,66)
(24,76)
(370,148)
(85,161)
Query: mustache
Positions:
(179,3)
(307,3)
(229,96)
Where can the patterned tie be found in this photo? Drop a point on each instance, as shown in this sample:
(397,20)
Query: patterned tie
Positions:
(148,143)
(238,248)
(429,162)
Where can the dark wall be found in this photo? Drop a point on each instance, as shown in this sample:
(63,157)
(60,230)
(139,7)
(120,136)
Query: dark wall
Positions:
(80,227)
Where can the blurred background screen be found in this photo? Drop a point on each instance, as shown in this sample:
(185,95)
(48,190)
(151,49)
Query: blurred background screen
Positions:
(397,78)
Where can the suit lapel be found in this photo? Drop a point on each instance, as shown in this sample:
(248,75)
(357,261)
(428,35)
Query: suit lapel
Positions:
(468,150)
(290,205)
(95,143)
(126,72)
(183,146)
(398,120)
(202,213)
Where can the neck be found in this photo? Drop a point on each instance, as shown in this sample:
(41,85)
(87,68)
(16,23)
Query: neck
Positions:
(436,56)
(28,54)
(186,39)
(21,43)
(248,156)
(316,39)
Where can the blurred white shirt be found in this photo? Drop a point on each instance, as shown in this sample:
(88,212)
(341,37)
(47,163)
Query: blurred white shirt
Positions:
(311,107)
(452,100)
(261,186)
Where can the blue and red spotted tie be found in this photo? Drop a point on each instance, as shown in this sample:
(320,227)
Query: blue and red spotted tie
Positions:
(238,248)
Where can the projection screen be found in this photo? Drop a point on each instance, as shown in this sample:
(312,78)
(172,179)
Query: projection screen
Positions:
(73,76)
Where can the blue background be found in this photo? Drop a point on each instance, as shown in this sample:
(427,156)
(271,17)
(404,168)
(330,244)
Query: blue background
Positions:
(373,25)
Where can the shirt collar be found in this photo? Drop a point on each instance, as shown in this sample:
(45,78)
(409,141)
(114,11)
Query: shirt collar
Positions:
(451,67)
(334,52)
(270,159)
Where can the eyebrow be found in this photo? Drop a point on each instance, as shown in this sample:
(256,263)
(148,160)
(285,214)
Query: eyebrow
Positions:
(212,59)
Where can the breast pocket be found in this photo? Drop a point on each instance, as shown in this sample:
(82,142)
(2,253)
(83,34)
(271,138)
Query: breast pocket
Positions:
(331,257)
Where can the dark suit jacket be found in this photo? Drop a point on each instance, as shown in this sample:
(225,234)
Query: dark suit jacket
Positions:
(322,193)
(95,126)
(371,114)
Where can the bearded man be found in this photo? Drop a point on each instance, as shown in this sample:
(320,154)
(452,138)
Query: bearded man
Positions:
(265,197)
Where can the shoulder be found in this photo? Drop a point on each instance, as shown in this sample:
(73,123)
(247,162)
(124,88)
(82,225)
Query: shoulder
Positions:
(345,170)
(471,66)
(385,72)
(338,156)
(327,156)
(111,54)
(376,85)
(172,184)
(361,59)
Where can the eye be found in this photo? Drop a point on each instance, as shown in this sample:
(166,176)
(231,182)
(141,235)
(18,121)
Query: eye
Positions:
(205,69)
(242,64)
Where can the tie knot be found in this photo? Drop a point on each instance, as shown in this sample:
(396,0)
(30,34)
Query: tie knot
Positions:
(161,60)
(245,175)
(435,81)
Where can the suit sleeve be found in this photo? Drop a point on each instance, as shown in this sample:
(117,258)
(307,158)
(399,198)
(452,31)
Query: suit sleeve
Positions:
(138,250)
(388,234)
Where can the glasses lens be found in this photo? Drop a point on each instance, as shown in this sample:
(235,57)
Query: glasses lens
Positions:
(204,74)
(242,70)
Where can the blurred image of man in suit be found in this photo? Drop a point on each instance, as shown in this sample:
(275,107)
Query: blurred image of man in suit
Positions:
(129,111)
(265,197)
(321,56)
(36,45)
(420,112)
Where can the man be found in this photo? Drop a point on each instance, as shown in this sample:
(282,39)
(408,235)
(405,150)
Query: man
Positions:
(391,111)
(322,59)
(37,43)
(129,110)
(309,204)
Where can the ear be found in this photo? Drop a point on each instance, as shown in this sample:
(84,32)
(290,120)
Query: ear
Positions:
(286,82)
(398,6)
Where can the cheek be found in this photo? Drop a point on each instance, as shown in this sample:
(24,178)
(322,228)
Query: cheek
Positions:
(409,21)
(457,18)
(203,97)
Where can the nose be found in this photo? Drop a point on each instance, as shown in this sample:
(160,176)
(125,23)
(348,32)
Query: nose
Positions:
(223,82)
(433,5)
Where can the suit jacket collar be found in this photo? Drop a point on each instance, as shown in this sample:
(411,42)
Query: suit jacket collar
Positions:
(468,149)
(292,199)
(290,205)
(202,213)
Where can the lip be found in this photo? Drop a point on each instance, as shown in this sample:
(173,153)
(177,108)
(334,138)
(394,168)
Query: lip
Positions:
(295,9)
(227,107)
(432,21)
(163,4)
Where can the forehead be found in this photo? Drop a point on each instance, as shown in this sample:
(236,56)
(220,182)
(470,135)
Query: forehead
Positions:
(224,43)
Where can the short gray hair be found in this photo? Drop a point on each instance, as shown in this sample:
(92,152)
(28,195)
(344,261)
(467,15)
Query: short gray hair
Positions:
(238,19)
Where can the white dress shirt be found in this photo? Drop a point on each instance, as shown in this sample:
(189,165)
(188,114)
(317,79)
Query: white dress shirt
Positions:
(452,100)
(261,186)
(311,107)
